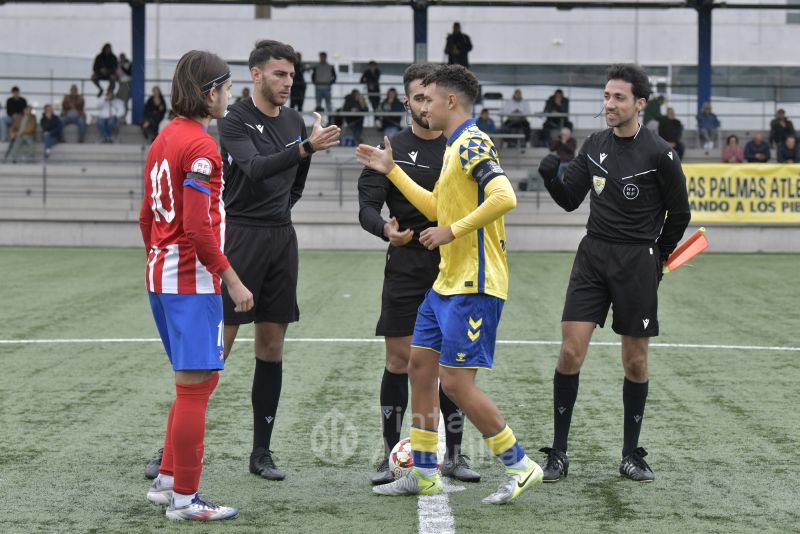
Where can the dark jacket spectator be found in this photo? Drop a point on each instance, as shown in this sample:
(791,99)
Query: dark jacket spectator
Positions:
(788,151)
(757,150)
(457,47)
(565,146)
(732,151)
(390,124)
(52,129)
(652,113)
(16,104)
(154,110)
(671,130)
(780,128)
(555,103)
(354,102)
(298,92)
(105,68)
(371,78)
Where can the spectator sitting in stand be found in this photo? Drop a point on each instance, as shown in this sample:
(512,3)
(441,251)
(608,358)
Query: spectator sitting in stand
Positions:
(652,113)
(108,116)
(485,123)
(555,103)
(21,135)
(15,105)
(788,151)
(105,68)
(707,127)
(780,128)
(246,93)
(371,78)
(154,110)
(52,129)
(671,130)
(72,111)
(757,150)
(354,102)
(390,124)
(732,151)
(564,147)
(515,111)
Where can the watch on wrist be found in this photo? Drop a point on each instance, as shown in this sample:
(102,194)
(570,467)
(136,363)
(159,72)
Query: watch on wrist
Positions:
(308,147)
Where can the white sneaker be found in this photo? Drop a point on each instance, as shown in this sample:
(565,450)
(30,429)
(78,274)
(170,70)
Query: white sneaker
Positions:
(159,493)
(200,510)
(518,480)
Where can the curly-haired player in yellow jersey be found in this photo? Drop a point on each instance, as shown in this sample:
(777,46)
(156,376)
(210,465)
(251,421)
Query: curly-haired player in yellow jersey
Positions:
(454,335)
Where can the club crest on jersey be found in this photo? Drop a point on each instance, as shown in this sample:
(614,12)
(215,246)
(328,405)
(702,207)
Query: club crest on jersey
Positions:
(630,191)
(599,184)
(201,166)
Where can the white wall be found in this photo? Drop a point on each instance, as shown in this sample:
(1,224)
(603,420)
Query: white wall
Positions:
(502,35)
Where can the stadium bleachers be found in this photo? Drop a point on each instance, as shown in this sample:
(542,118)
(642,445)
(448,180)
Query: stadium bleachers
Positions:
(90,194)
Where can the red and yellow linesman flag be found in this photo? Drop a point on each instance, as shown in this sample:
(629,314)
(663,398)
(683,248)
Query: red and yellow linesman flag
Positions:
(694,245)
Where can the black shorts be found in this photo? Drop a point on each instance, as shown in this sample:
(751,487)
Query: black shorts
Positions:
(266,260)
(409,274)
(626,276)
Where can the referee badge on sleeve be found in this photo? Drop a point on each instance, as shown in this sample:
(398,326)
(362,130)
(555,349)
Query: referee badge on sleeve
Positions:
(599,184)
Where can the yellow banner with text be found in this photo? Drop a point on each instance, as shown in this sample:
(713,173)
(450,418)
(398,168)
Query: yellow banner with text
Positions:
(744,193)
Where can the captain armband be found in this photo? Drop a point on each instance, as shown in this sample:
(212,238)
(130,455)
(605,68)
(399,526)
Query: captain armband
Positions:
(485,171)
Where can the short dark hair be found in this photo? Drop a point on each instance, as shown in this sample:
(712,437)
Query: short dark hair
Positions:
(634,75)
(417,71)
(267,49)
(455,77)
(194,70)
(15,89)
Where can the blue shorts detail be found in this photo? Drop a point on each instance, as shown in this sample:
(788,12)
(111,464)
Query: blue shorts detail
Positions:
(462,328)
(191,328)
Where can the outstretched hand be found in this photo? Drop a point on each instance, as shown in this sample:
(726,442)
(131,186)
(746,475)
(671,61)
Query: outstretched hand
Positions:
(323,138)
(375,158)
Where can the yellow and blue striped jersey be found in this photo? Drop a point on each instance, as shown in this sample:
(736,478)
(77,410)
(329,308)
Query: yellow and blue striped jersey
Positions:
(475,262)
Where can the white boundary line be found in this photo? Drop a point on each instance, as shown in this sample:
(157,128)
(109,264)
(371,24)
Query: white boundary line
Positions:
(380,340)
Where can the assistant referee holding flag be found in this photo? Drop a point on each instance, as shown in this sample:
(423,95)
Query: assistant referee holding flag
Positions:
(634,178)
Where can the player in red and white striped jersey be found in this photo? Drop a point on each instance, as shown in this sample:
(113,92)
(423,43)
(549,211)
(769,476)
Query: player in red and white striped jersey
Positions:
(181,220)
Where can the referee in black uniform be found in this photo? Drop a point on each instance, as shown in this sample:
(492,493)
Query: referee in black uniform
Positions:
(266,155)
(634,178)
(410,272)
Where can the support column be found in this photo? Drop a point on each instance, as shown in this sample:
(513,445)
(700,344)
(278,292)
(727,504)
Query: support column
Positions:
(703,53)
(420,8)
(137,60)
